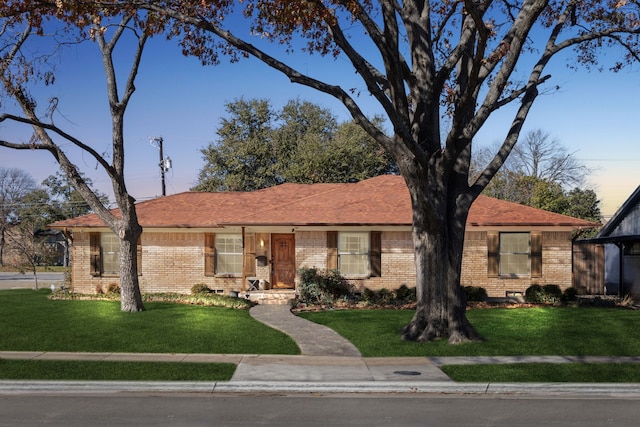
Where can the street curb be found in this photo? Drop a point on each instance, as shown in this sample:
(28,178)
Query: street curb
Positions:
(603,390)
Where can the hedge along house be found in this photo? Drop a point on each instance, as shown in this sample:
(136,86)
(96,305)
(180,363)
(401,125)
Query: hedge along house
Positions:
(255,243)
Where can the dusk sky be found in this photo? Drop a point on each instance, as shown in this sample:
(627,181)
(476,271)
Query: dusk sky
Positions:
(594,115)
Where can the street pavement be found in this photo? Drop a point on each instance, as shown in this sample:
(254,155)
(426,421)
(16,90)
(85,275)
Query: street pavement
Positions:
(15,280)
(328,364)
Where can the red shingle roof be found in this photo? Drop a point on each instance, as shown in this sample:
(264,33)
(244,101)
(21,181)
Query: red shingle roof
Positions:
(383,200)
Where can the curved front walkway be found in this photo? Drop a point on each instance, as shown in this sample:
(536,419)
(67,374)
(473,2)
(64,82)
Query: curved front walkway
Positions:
(313,339)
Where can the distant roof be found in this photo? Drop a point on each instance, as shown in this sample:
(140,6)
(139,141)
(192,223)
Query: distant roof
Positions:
(382,200)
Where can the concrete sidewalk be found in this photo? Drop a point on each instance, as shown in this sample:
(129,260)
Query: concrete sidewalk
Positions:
(318,375)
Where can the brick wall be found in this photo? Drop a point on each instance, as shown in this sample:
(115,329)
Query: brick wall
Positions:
(171,262)
(556,265)
(174,262)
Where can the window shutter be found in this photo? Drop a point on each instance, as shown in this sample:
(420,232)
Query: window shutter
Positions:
(250,255)
(493,248)
(375,253)
(94,254)
(209,254)
(139,255)
(332,250)
(536,254)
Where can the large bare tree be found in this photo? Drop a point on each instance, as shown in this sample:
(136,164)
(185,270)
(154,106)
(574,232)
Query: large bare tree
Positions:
(15,184)
(19,27)
(438,69)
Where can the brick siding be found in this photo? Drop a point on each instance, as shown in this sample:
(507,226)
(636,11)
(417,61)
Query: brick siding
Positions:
(174,262)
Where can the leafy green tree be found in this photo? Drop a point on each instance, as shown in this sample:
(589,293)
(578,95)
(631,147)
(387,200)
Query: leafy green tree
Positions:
(583,204)
(349,154)
(244,157)
(549,196)
(303,143)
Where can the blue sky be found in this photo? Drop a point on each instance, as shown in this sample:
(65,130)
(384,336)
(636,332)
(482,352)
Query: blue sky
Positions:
(594,115)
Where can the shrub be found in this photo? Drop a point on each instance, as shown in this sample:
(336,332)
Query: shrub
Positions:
(553,293)
(475,293)
(402,295)
(369,296)
(543,294)
(534,294)
(405,294)
(113,288)
(200,288)
(323,287)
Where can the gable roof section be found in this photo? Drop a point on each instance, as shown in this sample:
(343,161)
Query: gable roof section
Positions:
(383,200)
(613,227)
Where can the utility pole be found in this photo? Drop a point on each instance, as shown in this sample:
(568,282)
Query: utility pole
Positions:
(165,164)
(164,189)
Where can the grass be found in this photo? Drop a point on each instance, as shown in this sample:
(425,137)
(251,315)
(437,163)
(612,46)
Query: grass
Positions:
(114,371)
(546,372)
(562,331)
(32,322)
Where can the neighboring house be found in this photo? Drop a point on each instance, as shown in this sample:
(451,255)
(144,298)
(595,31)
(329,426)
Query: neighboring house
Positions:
(233,241)
(620,237)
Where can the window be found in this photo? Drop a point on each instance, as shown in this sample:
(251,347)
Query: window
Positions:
(353,253)
(632,248)
(514,254)
(110,248)
(105,254)
(228,253)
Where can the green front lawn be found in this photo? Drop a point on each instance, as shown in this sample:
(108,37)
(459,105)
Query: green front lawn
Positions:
(508,332)
(546,372)
(32,322)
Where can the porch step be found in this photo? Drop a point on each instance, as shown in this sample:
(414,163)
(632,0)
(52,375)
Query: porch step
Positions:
(274,296)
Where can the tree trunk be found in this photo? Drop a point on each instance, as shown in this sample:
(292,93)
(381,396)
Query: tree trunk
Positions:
(130,296)
(2,243)
(438,237)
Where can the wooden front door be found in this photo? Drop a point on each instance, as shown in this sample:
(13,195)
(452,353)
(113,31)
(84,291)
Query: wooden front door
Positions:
(283,253)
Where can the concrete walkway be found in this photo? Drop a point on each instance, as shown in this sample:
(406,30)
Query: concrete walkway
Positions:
(313,339)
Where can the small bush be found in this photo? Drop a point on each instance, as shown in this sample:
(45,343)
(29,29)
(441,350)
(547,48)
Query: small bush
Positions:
(200,288)
(405,294)
(548,294)
(99,289)
(553,293)
(323,287)
(113,288)
(401,296)
(475,293)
